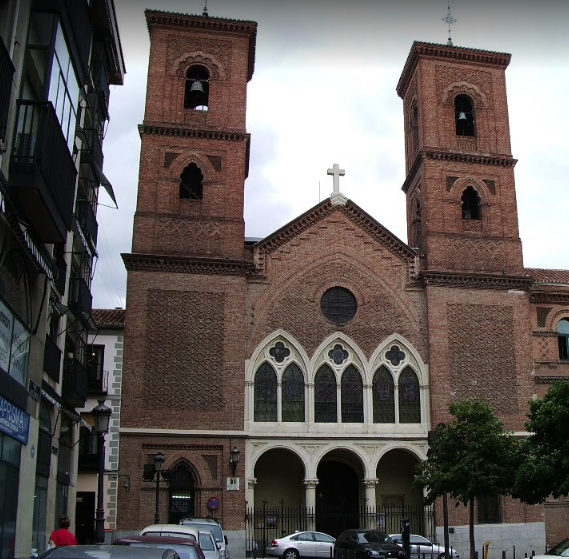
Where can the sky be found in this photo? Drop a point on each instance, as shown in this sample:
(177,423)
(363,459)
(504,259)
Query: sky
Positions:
(323,92)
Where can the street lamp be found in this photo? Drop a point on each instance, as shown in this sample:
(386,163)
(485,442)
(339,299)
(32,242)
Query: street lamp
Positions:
(234,459)
(102,416)
(158,463)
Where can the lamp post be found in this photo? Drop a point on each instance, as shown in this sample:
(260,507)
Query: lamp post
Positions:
(233,460)
(102,416)
(158,463)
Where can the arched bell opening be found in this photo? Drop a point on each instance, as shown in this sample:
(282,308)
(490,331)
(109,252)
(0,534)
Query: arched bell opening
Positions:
(197,88)
(464,115)
(470,204)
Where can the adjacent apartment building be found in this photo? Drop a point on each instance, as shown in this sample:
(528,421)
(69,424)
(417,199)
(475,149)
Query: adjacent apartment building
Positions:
(58,59)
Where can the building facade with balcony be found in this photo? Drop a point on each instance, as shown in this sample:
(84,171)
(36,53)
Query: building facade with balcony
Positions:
(57,61)
(104,381)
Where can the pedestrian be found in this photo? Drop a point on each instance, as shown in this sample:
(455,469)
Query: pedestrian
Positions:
(63,535)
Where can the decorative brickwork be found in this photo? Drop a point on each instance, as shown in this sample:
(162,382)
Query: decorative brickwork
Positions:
(184,331)
(491,185)
(542,313)
(211,461)
(169,157)
(482,360)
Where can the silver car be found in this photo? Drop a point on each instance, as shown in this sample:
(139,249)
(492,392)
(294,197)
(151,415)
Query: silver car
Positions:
(423,548)
(302,544)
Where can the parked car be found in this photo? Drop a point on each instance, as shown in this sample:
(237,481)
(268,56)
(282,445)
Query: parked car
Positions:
(560,550)
(214,527)
(205,539)
(187,548)
(356,544)
(422,547)
(108,552)
(302,544)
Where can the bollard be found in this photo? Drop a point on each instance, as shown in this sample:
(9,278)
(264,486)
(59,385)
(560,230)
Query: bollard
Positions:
(486,547)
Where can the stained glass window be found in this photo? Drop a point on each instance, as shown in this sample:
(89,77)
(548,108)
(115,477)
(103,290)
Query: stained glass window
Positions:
(265,394)
(338,305)
(409,397)
(383,396)
(293,394)
(352,396)
(325,396)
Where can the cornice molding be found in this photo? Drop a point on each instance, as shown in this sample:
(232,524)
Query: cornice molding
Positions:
(193,133)
(475,281)
(186,265)
(496,161)
(552,297)
(461,54)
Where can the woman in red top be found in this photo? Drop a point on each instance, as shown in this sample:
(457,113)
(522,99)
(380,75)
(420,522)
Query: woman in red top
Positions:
(62,536)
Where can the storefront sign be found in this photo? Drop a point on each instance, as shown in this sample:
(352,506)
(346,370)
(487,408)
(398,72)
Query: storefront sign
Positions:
(14,421)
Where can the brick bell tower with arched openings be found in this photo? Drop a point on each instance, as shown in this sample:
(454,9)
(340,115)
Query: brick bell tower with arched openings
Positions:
(186,286)
(463,220)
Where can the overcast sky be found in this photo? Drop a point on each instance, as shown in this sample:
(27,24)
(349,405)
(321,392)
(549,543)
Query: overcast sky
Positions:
(323,92)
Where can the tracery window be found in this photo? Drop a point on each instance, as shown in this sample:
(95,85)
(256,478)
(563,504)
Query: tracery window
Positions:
(265,393)
(563,338)
(338,305)
(383,390)
(293,394)
(325,396)
(352,396)
(409,397)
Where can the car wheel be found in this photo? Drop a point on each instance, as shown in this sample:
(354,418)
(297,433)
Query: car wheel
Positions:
(290,554)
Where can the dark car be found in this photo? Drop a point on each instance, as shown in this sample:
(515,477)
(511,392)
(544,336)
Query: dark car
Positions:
(361,544)
(186,548)
(108,552)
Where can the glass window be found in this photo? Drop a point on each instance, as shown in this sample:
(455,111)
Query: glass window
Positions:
(563,338)
(489,509)
(293,394)
(325,396)
(383,390)
(352,396)
(338,305)
(265,394)
(14,345)
(409,397)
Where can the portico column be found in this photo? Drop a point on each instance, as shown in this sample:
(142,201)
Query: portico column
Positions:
(250,495)
(310,500)
(370,501)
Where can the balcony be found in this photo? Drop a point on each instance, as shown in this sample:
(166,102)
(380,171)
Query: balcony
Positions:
(6,73)
(87,219)
(42,172)
(75,383)
(51,359)
(80,298)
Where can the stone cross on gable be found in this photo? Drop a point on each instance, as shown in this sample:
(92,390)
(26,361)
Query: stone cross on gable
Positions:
(336,172)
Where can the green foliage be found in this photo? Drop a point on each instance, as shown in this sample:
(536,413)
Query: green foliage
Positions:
(469,457)
(544,456)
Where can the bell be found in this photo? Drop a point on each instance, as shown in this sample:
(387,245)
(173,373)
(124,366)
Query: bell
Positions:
(461,115)
(197,95)
(198,87)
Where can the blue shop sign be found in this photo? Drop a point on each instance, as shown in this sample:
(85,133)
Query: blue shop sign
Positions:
(14,421)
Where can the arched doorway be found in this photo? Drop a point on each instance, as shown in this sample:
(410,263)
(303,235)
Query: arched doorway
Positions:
(338,493)
(182,493)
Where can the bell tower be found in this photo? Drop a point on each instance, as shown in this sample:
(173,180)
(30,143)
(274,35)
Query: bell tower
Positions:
(195,147)
(461,199)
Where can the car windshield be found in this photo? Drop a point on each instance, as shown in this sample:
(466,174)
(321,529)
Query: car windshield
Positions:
(215,529)
(561,549)
(373,537)
(206,541)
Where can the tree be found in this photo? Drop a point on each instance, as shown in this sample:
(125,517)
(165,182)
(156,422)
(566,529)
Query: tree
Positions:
(543,468)
(469,457)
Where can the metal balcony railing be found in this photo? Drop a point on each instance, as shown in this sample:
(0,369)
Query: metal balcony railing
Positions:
(75,383)
(80,298)
(42,171)
(51,359)
(87,219)
(6,73)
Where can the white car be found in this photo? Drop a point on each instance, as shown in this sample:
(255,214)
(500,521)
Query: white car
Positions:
(205,538)
(559,550)
(423,548)
(302,544)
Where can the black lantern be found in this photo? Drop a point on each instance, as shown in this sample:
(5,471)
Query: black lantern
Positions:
(102,415)
(234,459)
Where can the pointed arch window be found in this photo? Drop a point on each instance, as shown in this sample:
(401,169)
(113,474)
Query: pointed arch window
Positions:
(464,115)
(352,396)
(293,394)
(191,183)
(325,396)
(182,494)
(563,338)
(470,204)
(383,390)
(196,94)
(409,397)
(265,393)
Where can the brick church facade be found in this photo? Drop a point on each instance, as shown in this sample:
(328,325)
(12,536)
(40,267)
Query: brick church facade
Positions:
(325,352)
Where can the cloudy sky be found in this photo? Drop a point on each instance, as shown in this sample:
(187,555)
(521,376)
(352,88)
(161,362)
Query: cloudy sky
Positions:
(323,92)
